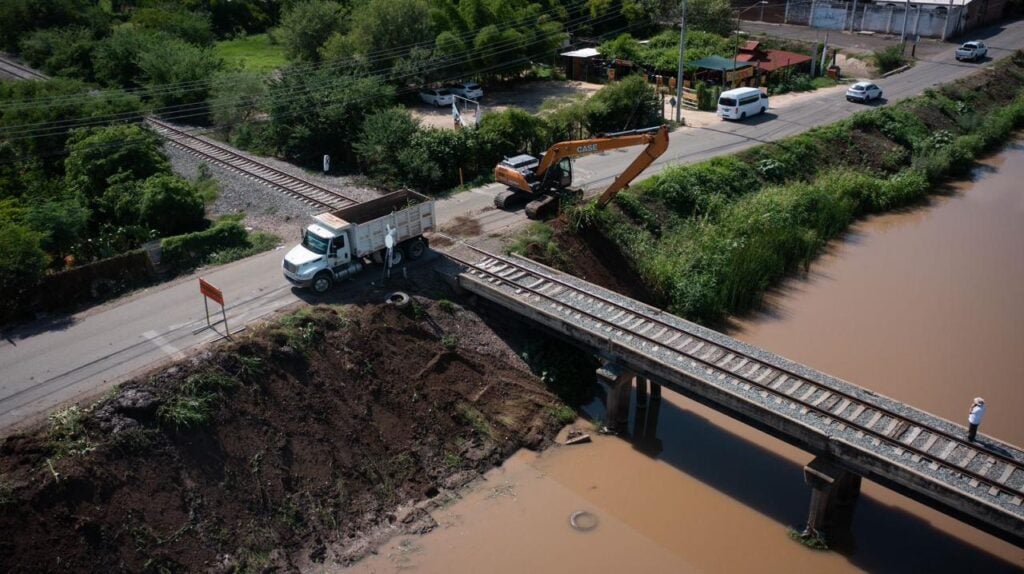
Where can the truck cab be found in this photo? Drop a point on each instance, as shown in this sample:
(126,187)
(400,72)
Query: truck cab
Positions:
(322,248)
(341,243)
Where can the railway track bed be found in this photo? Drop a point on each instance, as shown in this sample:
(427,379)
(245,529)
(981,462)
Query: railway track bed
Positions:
(297,187)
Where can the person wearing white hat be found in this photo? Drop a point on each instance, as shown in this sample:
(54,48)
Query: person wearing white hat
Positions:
(974,417)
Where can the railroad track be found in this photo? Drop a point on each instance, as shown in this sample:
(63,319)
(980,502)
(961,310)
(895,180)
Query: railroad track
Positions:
(19,72)
(296,187)
(910,440)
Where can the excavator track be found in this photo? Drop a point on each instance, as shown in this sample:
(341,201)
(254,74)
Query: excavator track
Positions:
(508,198)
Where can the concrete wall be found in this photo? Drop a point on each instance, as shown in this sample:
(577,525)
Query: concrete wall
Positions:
(927,21)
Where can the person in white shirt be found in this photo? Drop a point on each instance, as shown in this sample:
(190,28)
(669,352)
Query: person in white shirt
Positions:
(974,417)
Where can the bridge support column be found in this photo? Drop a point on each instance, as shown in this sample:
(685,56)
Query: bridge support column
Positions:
(834,491)
(620,382)
(645,436)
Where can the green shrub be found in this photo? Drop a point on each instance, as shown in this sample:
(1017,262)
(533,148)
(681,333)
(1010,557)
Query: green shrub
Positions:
(171,205)
(890,58)
(184,252)
(701,188)
(194,401)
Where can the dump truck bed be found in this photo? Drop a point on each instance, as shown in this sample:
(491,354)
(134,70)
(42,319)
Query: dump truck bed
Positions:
(411,214)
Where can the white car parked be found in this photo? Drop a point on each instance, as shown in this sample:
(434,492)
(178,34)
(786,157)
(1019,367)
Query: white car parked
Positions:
(438,98)
(863,92)
(470,90)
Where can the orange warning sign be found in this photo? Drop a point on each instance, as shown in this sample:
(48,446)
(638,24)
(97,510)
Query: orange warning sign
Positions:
(210,291)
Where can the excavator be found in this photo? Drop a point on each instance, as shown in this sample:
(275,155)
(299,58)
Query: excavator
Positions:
(543,181)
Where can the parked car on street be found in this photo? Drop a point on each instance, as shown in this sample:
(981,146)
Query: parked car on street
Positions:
(972,51)
(470,90)
(438,98)
(863,92)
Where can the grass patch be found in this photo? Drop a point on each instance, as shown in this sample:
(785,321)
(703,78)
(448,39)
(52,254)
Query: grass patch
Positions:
(812,541)
(195,401)
(538,242)
(564,414)
(446,306)
(257,53)
(450,342)
(67,436)
(475,419)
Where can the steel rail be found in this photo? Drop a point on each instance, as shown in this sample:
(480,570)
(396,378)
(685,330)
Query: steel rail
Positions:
(765,387)
(20,72)
(226,157)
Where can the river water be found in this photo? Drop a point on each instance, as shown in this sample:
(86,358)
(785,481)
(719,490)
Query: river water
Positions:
(924,306)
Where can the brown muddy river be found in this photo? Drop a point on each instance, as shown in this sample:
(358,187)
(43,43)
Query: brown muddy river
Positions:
(924,306)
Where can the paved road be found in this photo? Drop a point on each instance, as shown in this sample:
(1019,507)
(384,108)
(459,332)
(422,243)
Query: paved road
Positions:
(47,364)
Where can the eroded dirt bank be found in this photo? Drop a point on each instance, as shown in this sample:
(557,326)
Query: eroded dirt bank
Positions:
(303,442)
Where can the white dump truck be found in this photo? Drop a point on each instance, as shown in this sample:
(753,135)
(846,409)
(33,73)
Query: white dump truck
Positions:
(338,244)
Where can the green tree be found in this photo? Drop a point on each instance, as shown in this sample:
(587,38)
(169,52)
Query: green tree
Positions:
(116,59)
(64,52)
(387,27)
(180,74)
(22,264)
(38,134)
(101,157)
(232,17)
(384,135)
(60,224)
(714,16)
(19,17)
(319,112)
(629,104)
(236,97)
(307,25)
(510,132)
(171,205)
(192,27)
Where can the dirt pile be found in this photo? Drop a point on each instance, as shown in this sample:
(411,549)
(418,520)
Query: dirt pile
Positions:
(284,449)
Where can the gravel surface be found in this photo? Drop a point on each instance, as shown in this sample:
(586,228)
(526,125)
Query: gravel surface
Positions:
(266,208)
(835,435)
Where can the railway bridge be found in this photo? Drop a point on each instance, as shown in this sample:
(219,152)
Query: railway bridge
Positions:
(852,432)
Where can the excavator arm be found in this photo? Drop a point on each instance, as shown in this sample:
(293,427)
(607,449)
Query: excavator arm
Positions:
(657,143)
(599,144)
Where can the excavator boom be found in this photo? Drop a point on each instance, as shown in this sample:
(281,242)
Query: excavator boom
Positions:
(657,145)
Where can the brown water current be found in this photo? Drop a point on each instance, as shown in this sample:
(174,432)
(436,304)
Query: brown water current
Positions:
(925,306)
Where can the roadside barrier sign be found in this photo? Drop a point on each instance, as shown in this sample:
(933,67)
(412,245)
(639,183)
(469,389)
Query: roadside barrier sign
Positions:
(217,296)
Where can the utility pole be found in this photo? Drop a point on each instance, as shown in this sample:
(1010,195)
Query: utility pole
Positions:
(906,16)
(682,51)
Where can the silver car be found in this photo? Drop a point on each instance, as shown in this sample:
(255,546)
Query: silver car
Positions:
(437,97)
(863,92)
(470,90)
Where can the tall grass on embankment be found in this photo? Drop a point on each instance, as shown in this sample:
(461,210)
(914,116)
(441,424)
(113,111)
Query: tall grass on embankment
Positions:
(710,238)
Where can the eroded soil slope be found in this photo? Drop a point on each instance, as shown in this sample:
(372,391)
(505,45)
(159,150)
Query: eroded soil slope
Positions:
(277,451)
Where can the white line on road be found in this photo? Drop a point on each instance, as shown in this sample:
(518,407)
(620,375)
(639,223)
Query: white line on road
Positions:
(161,343)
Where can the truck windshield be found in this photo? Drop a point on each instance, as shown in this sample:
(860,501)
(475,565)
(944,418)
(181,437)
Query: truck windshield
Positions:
(315,243)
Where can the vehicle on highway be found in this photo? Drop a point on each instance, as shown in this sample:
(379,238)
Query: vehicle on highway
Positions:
(338,244)
(972,51)
(742,102)
(469,90)
(440,97)
(863,92)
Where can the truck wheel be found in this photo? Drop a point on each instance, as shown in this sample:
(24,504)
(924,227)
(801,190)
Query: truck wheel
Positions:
(415,249)
(322,282)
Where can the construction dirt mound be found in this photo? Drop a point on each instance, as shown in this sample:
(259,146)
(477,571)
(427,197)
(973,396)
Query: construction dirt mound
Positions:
(306,441)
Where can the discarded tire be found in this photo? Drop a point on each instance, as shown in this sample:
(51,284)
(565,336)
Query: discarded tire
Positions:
(398,299)
(583,521)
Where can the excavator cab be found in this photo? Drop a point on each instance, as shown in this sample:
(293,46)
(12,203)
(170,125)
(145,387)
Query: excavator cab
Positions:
(542,182)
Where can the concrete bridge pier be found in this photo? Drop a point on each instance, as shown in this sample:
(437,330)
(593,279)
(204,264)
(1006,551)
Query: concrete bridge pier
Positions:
(834,492)
(645,436)
(620,387)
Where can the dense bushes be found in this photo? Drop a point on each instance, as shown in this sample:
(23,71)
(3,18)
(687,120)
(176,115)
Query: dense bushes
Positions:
(710,238)
(184,252)
(888,59)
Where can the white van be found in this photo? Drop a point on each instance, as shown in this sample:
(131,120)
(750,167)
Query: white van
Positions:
(742,102)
